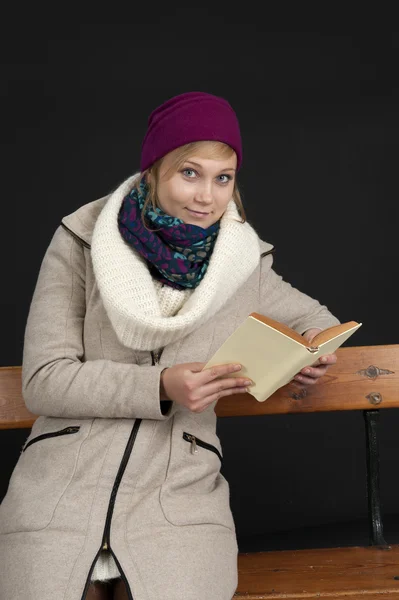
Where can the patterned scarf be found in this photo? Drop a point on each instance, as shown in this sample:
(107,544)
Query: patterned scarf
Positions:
(178,253)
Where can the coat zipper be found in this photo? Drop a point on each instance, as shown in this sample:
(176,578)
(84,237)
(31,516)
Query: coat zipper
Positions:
(105,544)
(267,252)
(65,431)
(194,441)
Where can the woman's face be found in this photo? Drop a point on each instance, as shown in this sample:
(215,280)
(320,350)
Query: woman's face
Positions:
(200,191)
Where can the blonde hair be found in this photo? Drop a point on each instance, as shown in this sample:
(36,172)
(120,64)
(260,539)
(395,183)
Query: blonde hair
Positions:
(204,149)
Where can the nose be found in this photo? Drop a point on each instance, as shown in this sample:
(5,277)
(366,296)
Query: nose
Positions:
(204,194)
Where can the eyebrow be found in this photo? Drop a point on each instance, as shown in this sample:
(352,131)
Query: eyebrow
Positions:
(200,166)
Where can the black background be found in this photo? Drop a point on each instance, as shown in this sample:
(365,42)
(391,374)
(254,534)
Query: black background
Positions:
(319,120)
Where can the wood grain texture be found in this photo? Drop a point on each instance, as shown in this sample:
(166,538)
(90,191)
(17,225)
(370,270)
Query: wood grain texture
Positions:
(364,377)
(350,384)
(13,412)
(333,573)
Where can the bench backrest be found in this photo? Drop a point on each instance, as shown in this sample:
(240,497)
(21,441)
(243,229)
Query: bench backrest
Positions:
(364,378)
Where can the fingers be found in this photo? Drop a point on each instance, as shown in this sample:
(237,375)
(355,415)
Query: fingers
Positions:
(215,384)
(218,371)
(203,405)
(219,386)
(310,375)
(327,359)
(198,389)
(314,372)
(196,367)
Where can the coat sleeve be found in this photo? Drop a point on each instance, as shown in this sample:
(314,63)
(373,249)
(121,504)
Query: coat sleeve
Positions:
(57,381)
(282,302)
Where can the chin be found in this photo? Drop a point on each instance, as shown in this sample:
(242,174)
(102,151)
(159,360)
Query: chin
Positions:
(203,224)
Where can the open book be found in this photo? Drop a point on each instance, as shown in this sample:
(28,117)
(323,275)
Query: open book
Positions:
(272,353)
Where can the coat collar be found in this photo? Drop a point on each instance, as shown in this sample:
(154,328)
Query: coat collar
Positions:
(81,222)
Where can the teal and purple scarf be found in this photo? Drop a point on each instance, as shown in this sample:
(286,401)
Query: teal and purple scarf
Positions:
(178,254)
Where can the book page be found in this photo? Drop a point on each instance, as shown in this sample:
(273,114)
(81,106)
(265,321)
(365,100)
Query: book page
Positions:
(327,334)
(331,345)
(280,327)
(267,356)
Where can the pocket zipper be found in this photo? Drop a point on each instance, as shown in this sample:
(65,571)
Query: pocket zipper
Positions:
(194,441)
(65,431)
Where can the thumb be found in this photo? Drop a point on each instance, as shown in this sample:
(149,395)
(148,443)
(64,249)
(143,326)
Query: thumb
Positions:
(311,333)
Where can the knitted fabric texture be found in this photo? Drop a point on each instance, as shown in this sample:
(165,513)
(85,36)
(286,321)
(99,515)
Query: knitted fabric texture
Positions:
(190,117)
(105,568)
(178,253)
(128,292)
(170,300)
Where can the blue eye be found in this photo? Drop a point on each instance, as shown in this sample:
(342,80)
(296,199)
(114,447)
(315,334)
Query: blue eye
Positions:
(190,170)
(187,172)
(229,177)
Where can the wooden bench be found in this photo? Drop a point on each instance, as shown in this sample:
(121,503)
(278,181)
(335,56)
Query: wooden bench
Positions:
(365,378)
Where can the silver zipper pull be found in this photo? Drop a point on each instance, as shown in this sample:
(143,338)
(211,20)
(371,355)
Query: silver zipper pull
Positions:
(193,441)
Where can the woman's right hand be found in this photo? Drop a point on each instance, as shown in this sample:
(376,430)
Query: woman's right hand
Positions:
(188,385)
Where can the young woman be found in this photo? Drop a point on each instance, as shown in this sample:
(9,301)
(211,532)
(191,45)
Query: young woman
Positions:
(118,491)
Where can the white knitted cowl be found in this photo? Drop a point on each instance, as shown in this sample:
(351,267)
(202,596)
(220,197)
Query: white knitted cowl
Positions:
(131,296)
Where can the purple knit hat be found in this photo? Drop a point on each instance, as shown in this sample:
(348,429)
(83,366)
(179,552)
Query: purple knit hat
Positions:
(186,118)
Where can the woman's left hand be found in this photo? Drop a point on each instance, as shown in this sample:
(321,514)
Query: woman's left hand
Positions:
(311,375)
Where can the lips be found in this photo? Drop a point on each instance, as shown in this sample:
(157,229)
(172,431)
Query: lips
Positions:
(197,212)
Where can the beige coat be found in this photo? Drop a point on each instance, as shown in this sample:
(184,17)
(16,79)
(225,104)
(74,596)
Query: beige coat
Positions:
(105,466)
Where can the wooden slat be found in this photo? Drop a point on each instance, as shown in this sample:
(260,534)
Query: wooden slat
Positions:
(352,384)
(359,372)
(13,412)
(333,573)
